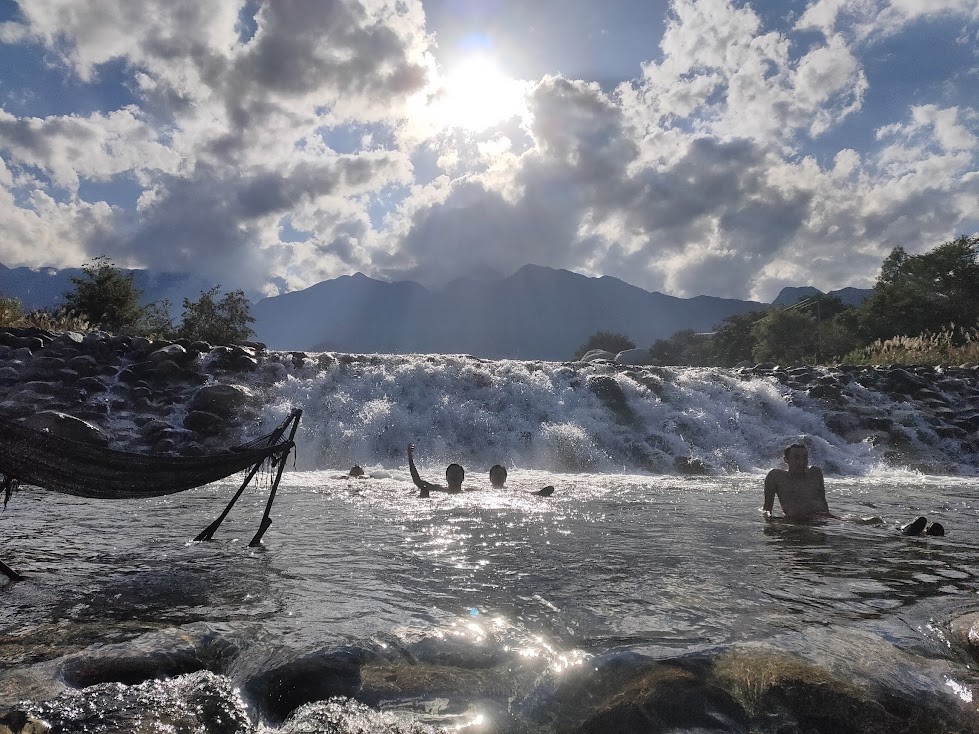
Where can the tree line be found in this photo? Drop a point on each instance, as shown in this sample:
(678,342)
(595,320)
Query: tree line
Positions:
(105,297)
(923,309)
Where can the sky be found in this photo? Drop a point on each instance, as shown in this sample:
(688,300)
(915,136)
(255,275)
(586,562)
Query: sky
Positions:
(687,146)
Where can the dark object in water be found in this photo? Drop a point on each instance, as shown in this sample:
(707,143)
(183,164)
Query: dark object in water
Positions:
(71,467)
(915,528)
(936,528)
(544,492)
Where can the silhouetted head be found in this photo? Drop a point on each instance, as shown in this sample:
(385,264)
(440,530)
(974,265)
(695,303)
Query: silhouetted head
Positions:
(796,457)
(356,471)
(454,475)
(497,475)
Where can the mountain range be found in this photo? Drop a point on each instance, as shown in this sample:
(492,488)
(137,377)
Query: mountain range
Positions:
(535,313)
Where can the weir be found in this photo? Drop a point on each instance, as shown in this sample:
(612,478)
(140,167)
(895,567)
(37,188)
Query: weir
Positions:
(603,417)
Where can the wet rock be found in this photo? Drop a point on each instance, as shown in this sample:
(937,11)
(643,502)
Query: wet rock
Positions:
(634,356)
(689,465)
(279,690)
(69,427)
(610,393)
(198,702)
(171,352)
(221,400)
(596,354)
(204,423)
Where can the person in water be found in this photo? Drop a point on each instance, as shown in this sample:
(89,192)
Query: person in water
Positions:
(497,476)
(800,488)
(454,477)
(801,492)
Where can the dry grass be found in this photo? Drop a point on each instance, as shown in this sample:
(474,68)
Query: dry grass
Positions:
(12,314)
(951,346)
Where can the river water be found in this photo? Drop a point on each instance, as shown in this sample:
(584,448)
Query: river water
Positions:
(468,612)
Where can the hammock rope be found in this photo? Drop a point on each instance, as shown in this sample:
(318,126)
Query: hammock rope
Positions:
(52,462)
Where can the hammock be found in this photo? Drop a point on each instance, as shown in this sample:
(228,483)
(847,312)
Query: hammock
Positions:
(49,461)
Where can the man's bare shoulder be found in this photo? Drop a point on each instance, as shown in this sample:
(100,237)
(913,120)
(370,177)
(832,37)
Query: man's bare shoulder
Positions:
(775,475)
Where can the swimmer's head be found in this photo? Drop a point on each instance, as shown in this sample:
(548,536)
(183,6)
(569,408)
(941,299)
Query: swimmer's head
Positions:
(454,475)
(497,475)
(356,471)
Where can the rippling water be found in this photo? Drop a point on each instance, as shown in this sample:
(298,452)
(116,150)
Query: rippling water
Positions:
(610,563)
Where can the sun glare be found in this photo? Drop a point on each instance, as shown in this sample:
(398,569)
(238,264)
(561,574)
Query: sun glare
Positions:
(475,95)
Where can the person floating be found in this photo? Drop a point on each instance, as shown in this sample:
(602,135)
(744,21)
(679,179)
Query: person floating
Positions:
(497,476)
(454,477)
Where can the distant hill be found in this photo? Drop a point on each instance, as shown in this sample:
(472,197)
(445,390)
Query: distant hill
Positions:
(536,313)
(849,296)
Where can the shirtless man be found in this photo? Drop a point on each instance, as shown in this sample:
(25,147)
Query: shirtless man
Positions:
(801,490)
(454,476)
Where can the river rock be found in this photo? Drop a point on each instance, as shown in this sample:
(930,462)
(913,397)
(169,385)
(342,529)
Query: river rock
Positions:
(221,400)
(69,427)
(595,354)
(634,356)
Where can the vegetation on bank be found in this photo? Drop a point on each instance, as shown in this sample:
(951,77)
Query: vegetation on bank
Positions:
(924,309)
(105,298)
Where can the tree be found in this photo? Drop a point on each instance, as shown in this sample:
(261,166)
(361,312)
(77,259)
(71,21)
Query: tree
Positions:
(217,322)
(607,340)
(785,336)
(918,293)
(685,347)
(733,341)
(106,297)
(11,311)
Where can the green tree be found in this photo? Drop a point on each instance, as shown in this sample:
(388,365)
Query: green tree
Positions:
(106,297)
(224,321)
(607,340)
(685,347)
(733,340)
(785,336)
(927,292)
(11,311)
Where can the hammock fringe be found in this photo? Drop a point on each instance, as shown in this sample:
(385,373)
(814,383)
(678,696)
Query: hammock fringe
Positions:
(49,461)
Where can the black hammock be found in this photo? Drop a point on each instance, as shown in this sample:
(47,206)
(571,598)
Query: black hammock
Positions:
(42,459)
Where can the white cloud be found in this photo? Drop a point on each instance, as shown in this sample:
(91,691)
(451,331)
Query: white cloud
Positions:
(877,18)
(697,178)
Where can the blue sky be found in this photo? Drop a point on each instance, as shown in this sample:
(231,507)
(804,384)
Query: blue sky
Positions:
(689,147)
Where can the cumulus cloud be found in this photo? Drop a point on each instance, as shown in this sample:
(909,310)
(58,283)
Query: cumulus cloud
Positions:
(869,18)
(272,145)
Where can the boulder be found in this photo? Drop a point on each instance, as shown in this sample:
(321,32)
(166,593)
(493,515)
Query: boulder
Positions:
(594,354)
(68,426)
(221,400)
(634,356)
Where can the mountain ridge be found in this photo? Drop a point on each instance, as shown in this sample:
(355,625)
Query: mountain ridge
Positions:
(536,312)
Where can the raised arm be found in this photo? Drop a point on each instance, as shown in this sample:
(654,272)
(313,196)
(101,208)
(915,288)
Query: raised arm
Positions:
(424,486)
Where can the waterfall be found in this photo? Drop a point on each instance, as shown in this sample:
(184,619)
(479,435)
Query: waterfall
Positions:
(605,417)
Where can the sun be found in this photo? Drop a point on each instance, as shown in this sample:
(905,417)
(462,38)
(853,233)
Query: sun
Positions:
(474,95)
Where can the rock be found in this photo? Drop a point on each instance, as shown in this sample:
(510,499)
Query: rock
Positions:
(689,465)
(204,423)
(221,400)
(69,427)
(171,352)
(594,354)
(318,676)
(611,395)
(84,364)
(634,356)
